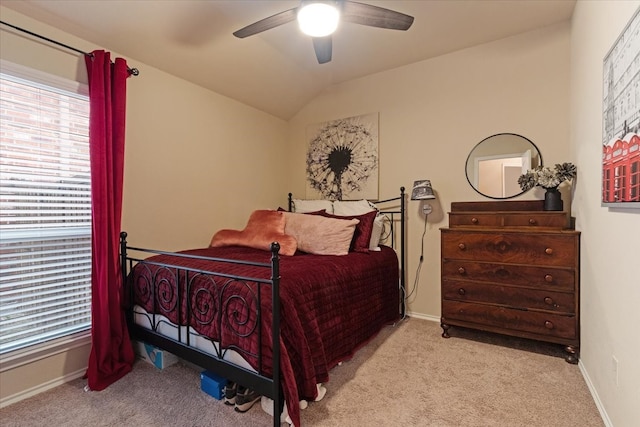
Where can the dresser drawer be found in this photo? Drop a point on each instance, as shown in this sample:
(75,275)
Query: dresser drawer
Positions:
(553,325)
(515,297)
(474,220)
(554,249)
(510,274)
(542,219)
(557,220)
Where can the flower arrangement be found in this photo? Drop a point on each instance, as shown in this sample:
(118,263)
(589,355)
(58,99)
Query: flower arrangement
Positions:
(547,177)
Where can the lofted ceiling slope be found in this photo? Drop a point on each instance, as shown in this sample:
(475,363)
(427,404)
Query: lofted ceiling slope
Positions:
(276,71)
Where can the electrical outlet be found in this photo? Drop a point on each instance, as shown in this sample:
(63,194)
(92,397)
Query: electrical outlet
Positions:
(614,367)
(427,209)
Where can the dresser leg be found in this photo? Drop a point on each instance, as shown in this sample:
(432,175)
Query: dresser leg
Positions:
(445,330)
(572,354)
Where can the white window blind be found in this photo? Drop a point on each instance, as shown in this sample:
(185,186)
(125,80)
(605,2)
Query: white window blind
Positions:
(45,213)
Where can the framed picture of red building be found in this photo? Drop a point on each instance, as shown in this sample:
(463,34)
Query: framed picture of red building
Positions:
(621,120)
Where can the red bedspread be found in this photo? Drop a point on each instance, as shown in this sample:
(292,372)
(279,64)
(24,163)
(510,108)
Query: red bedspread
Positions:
(330,306)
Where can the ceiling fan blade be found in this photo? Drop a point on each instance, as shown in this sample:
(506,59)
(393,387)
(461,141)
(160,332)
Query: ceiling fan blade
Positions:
(322,46)
(267,23)
(374,16)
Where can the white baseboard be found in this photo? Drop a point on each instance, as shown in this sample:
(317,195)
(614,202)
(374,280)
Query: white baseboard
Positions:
(8,400)
(594,394)
(424,317)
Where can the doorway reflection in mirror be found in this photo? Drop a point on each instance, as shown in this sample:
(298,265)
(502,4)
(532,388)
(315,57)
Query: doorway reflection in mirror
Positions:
(494,165)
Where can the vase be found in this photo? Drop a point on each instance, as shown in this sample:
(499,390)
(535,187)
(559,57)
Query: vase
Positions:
(553,200)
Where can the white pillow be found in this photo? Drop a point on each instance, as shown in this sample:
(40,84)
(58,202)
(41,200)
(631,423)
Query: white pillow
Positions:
(303,206)
(376,232)
(352,207)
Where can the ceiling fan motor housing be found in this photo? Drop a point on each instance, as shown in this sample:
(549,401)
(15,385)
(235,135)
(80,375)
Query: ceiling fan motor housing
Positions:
(343,10)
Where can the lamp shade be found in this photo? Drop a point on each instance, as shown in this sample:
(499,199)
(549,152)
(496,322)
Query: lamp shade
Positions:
(422,190)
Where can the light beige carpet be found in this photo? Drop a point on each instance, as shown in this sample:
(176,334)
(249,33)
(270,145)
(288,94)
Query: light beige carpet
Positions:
(407,376)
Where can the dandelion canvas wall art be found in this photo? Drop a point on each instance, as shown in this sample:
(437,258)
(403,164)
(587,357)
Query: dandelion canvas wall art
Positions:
(342,159)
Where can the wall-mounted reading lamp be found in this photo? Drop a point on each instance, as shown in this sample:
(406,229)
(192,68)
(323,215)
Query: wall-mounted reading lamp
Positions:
(422,190)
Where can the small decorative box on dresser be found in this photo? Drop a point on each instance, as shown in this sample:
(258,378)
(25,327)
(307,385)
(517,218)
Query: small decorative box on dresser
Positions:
(511,268)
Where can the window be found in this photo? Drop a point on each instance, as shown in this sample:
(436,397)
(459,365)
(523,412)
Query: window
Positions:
(606,185)
(634,183)
(45,208)
(620,183)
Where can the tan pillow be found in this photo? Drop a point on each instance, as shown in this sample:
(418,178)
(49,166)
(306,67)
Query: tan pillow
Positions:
(320,235)
(264,227)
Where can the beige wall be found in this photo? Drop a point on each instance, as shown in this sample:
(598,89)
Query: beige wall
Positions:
(30,52)
(186,143)
(609,261)
(434,112)
(25,375)
(195,162)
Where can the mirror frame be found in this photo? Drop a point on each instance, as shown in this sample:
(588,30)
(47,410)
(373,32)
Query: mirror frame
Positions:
(471,158)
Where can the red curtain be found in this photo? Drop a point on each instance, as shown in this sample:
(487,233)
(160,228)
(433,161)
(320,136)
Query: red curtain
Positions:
(111,352)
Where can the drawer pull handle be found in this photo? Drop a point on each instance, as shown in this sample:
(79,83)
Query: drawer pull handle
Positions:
(474,220)
(502,246)
(461,291)
(461,270)
(462,246)
(548,251)
(548,278)
(532,221)
(548,324)
(548,300)
(502,272)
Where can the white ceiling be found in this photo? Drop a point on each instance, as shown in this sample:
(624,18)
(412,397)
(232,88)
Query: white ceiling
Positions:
(276,71)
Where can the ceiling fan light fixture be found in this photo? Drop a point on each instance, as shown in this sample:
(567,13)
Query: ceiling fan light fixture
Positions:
(318,19)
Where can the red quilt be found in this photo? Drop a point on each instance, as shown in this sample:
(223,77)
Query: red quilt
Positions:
(330,307)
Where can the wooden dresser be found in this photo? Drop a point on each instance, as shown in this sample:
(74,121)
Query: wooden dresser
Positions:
(511,268)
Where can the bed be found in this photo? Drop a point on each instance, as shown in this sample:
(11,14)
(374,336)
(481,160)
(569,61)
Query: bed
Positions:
(272,322)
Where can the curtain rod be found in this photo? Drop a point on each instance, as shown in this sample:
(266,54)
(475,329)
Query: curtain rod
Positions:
(132,71)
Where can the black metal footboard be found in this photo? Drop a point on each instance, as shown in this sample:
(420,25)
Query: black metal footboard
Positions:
(201,296)
(204,299)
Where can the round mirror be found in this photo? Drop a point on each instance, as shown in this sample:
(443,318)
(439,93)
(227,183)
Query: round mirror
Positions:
(496,163)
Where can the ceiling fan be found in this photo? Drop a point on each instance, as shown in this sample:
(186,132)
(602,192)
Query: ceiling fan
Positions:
(314,11)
